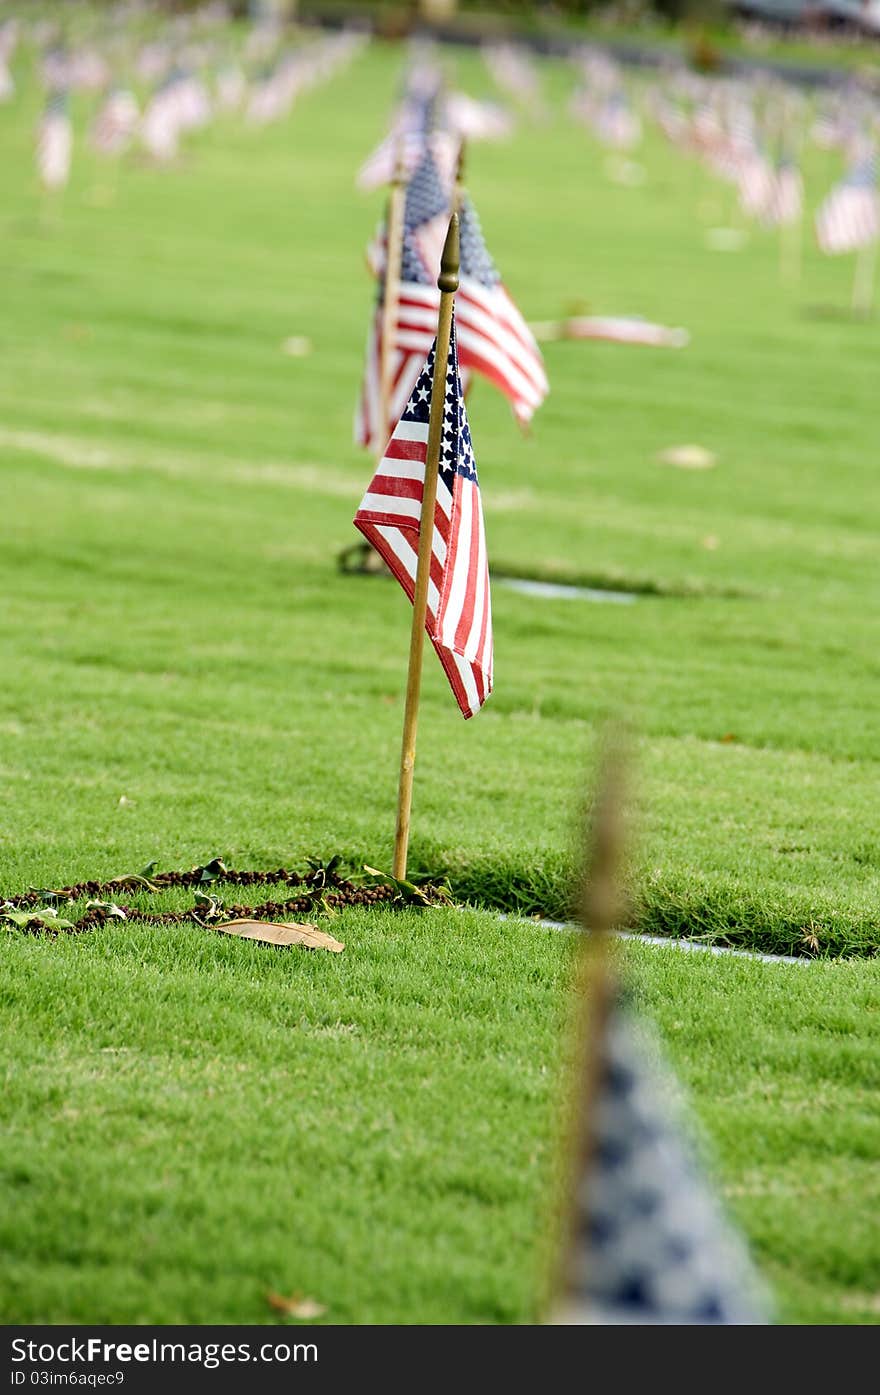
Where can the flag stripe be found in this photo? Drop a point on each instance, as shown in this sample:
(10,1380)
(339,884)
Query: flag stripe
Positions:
(458,619)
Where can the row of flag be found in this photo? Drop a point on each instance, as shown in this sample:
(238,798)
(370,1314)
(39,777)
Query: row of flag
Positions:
(190,80)
(490,338)
(749,132)
(647,1239)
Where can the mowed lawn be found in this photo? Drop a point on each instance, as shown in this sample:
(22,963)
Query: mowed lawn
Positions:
(188,674)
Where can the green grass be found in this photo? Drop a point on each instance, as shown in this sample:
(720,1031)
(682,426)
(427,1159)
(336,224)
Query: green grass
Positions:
(175,631)
(377,1129)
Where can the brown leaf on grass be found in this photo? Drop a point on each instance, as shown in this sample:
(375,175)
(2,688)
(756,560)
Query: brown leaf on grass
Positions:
(296,1306)
(688,457)
(274,933)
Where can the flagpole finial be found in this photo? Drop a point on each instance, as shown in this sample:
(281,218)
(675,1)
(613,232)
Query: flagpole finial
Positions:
(459,169)
(449,261)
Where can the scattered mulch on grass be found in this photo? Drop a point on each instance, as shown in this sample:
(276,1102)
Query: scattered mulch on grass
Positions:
(323,889)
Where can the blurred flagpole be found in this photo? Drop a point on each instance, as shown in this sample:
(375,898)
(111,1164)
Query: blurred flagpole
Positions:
(645,1238)
(458,186)
(447,283)
(863,278)
(790,249)
(601,909)
(393,253)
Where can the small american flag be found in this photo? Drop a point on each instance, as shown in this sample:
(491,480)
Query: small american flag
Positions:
(54,143)
(787,203)
(616,124)
(495,339)
(425,220)
(160,125)
(756,184)
(116,122)
(475,120)
(407,139)
(458,619)
(230,87)
(650,1243)
(850,216)
(511,67)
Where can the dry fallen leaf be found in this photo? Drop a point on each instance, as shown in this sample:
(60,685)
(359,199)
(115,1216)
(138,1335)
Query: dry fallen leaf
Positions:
(272,933)
(689,457)
(296,1306)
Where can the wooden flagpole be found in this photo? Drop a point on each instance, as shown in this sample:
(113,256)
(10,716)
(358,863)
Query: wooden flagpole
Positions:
(447,282)
(601,910)
(393,250)
(863,278)
(458,187)
(790,244)
(790,233)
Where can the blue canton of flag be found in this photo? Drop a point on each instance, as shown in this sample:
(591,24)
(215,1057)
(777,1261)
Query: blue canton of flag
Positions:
(651,1243)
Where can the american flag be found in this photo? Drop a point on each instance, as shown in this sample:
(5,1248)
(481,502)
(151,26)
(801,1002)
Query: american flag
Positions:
(458,619)
(850,215)
(116,122)
(511,67)
(787,203)
(756,184)
(54,143)
(193,101)
(230,87)
(407,139)
(614,329)
(650,1242)
(8,39)
(494,339)
(160,124)
(474,120)
(425,220)
(616,123)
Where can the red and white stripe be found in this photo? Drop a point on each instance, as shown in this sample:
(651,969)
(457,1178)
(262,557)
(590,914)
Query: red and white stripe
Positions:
(624,329)
(54,149)
(848,219)
(787,203)
(459,618)
(757,185)
(116,122)
(494,339)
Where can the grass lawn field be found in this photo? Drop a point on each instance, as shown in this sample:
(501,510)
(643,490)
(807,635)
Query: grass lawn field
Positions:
(187,674)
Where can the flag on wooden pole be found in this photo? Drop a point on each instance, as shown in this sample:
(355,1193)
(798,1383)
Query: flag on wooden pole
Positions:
(115,125)
(494,339)
(423,515)
(849,218)
(425,222)
(458,619)
(55,142)
(646,1239)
